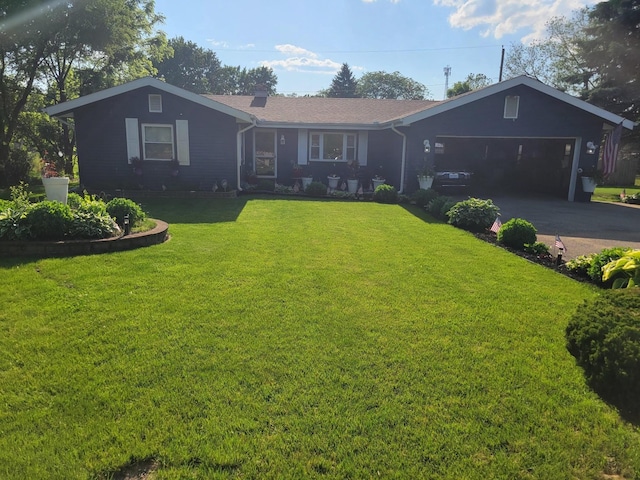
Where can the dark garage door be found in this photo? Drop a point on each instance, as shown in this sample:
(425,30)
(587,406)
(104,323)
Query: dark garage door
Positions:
(528,165)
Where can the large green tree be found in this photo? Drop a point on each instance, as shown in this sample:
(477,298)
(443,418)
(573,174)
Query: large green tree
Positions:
(472,82)
(557,59)
(190,67)
(42,41)
(240,81)
(343,85)
(612,54)
(390,85)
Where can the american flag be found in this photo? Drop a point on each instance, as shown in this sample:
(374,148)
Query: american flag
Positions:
(497,224)
(560,244)
(610,154)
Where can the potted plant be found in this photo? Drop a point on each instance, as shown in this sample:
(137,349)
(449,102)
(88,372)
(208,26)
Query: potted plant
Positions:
(56,186)
(426,176)
(378,180)
(352,180)
(306,178)
(590,179)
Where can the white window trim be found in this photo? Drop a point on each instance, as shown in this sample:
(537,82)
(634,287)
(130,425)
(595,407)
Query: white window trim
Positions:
(275,153)
(345,135)
(507,103)
(144,141)
(155,99)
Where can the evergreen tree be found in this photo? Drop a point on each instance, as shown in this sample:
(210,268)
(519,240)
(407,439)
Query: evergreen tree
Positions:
(343,84)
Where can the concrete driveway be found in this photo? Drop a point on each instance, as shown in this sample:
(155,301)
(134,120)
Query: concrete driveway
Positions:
(583,227)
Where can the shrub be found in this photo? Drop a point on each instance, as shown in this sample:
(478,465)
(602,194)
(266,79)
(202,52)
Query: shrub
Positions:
(516,233)
(316,189)
(581,264)
(119,207)
(92,225)
(446,206)
(537,248)
(48,220)
(385,194)
(422,197)
(18,166)
(604,337)
(88,204)
(434,207)
(625,272)
(599,260)
(402,198)
(473,214)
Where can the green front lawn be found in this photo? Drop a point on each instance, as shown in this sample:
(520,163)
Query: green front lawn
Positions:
(277,338)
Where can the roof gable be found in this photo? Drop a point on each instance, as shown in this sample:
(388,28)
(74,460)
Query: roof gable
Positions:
(66,109)
(461,100)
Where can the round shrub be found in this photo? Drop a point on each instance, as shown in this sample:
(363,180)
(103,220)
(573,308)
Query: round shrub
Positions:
(473,214)
(604,337)
(119,207)
(516,233)
(434,207)
(422,197)
(385,194)
(48,220)
(316,189)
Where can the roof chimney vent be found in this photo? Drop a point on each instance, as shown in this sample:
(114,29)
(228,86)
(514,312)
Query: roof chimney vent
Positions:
(261,91)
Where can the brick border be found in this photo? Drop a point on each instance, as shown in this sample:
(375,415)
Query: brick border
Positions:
(155,236)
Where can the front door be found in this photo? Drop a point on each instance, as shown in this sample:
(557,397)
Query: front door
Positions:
(265,151)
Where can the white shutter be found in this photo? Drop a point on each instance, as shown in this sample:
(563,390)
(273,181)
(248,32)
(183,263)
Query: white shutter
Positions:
(133,138)
(182,137)
(302,146)
(363,147)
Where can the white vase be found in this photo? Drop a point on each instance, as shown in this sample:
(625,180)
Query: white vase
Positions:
(306,181)
(56,188)
(352,185)
(425,182)
(589,184)
(333,182)
(377,182)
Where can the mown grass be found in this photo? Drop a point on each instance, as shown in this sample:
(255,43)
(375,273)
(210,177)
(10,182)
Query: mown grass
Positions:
(276,338)
(612,194)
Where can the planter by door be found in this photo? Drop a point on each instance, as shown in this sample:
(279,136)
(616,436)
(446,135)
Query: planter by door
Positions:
(56,188)
(333,182)
(306,181)
(352,185)
(425,182)
(588,184)
(377,182)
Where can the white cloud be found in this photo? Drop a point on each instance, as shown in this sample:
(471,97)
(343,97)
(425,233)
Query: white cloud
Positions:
(298,59)
(497,18)
(218,43)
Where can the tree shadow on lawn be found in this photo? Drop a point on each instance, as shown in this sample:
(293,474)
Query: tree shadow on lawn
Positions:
(421,213)
(194,210)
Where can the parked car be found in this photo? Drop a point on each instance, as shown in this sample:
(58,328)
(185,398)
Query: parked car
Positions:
(457,179)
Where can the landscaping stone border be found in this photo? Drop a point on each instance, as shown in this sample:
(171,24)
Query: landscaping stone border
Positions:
(68,248)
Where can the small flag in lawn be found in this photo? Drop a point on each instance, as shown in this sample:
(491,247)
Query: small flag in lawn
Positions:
(496,225)
(560,243)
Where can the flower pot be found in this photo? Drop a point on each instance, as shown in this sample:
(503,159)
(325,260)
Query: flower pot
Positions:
(306,181)
(588,184)
(333,182)
(425,182)
(56,188)
(352,185)
(377,182)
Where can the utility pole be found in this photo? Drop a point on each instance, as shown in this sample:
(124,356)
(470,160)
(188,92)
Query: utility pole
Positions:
(447,73)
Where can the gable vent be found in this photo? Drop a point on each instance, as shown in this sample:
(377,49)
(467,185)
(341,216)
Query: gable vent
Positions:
(511,105)
(155,103)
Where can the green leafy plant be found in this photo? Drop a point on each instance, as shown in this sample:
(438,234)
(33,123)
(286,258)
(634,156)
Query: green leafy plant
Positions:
(516,233)
(266,185)
(90,225)
(422,197)
(119,207)
(581,264)
(48,220)
(385,194)
(316,189)
(473,214)
(604,337)
(599,260)
(537,248)
(625,272)
(87,203)
(435,206)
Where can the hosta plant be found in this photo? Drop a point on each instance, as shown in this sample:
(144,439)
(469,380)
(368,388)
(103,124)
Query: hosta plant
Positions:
(625,271)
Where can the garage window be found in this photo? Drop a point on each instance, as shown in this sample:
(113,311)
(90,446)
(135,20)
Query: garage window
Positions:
(511,105)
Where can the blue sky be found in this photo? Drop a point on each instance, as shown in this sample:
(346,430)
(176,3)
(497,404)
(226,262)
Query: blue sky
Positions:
(306,42)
